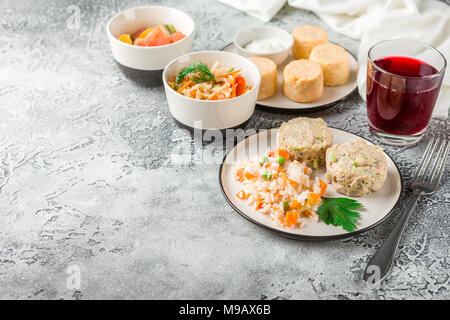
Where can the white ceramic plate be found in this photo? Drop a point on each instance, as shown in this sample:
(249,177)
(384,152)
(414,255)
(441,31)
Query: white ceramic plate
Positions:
(377,206)
(330,96)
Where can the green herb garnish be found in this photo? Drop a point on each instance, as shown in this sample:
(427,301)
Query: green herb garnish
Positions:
(285,205)
(230,70)
(200,71)
(338,212)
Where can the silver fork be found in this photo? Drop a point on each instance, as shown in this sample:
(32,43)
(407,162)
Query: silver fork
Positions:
(425,181)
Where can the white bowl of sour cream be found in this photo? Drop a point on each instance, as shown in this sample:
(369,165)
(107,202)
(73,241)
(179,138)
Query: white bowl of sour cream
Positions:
(264,41)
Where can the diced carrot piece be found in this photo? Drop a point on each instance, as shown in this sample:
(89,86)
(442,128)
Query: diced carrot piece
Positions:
(305,170)
(259,204)
(291,218)
(314,196)
(248,176)
(240,174)
(293,182)
(242,195)
(295,204)
(283,153)
(323,187)
(193,93)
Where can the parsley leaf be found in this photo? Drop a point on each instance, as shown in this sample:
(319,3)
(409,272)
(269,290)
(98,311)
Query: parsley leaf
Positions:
(200,71)
(337,212)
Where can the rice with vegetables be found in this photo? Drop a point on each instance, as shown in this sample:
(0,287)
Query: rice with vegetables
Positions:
(280,187)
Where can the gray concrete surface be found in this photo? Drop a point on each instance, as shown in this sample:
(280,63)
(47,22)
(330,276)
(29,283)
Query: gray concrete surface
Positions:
(86,181)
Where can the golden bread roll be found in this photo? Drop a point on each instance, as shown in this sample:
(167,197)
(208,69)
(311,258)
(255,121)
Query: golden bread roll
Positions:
(334,61)
(268,70)
(303,81)
(305,39)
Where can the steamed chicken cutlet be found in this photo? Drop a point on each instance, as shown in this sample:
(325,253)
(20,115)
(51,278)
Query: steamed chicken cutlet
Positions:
(334,61)
(302,81)
(306,140)
(268,70)
(356,168)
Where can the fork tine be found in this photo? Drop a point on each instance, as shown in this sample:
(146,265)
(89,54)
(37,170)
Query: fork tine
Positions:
(425,158)
(436,159)
(438,170)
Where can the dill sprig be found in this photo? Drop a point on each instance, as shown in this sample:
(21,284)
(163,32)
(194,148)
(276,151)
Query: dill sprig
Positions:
(200,71)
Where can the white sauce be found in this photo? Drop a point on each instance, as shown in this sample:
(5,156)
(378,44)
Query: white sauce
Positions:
(267,45)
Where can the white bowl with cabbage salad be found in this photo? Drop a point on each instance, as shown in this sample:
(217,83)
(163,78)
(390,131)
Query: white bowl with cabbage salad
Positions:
(264,41)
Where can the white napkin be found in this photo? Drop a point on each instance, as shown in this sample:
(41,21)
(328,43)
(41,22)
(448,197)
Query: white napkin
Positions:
(261,9)
(374,20)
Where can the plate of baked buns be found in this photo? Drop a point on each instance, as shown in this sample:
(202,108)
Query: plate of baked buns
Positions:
(300,70)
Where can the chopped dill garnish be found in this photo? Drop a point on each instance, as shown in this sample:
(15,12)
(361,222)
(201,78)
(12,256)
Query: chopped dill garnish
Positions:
(200,71)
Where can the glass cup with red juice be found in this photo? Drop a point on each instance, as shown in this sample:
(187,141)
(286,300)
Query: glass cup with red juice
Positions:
(403,82)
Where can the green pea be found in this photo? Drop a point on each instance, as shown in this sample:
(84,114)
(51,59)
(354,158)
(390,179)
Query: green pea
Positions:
(281,160)
(285,205)
(267,175)
(264,161)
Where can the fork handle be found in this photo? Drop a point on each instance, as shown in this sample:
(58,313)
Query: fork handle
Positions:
(385,255)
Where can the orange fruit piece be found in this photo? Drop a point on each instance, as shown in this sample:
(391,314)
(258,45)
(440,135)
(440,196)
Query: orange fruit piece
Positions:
(126,38)
(178,35)
(137,33)
(145,33)
(140,42)
(156,37)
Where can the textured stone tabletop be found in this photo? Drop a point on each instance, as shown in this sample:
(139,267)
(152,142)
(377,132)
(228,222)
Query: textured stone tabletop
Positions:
(87,183)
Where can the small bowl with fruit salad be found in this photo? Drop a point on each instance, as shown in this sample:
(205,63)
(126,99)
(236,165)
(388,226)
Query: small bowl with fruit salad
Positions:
(144,40)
